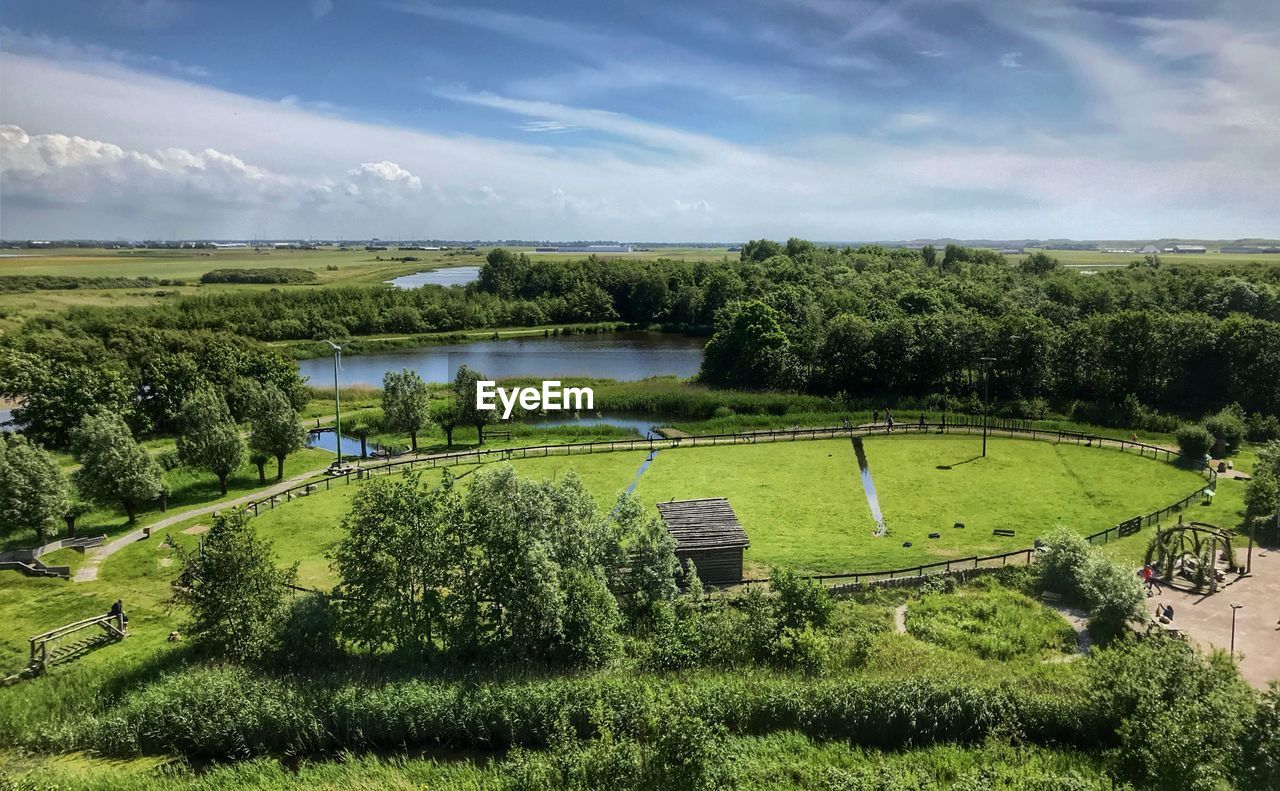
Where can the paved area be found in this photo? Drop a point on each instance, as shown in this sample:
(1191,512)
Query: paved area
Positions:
(1207,619)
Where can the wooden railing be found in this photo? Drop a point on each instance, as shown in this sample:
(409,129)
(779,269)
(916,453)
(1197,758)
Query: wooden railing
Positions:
(113,625)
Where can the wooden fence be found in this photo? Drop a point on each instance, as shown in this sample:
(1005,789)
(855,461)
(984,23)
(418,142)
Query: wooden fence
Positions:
(1014,429)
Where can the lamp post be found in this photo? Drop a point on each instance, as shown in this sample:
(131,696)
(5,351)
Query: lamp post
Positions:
(337,401)
(986,400)
(1234,608)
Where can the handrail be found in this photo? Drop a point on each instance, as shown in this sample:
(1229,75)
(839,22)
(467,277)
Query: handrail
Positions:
(53,634)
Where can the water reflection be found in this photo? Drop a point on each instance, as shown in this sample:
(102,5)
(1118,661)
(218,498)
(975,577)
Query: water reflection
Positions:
(445,276)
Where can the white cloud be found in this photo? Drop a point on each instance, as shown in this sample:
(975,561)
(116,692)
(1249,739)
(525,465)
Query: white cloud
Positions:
(321,8)
(110,151)
(1011,60)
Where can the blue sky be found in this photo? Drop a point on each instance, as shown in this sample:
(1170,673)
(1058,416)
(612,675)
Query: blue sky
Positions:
(643,121)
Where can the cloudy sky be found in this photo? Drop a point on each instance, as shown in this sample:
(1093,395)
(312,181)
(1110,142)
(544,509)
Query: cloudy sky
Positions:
(655,120)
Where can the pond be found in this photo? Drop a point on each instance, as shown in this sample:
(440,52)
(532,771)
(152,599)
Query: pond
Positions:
(641,424)
(328,440)
(444,276)
(6,415)
(625,356)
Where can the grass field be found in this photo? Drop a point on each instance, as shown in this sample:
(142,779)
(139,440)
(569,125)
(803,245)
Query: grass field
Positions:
(802,504)
(355,266)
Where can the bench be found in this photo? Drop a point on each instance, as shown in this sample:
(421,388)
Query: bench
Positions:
(1002,533)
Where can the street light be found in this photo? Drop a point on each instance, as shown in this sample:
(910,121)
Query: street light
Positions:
(1234,608)
(986,400)
(337,401)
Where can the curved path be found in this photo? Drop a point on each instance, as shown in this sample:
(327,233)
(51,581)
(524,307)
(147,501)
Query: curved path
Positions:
(89,571)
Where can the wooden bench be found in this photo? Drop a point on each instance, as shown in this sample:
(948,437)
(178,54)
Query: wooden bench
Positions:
(1002,533)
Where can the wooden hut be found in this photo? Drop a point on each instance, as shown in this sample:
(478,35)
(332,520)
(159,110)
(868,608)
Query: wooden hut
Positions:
(708,533)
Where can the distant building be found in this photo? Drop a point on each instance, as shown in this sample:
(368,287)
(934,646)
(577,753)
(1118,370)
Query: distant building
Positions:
(1011,251)
(1148,249)
(1187,248)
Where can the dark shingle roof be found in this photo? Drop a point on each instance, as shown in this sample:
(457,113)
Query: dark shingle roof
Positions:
(703,524)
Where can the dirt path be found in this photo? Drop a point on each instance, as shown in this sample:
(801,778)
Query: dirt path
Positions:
(89,571)
(900,619)
(1079,620)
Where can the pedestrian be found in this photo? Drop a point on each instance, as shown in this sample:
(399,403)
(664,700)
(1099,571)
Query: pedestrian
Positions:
(888,416)
(922,420)
(875,416)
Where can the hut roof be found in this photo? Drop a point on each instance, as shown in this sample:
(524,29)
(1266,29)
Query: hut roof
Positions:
(703,524)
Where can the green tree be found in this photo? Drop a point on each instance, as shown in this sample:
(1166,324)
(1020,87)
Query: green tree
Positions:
(929,256)
(362,425)
(447,416)
(1062,557)
(259,459)
(644,576)
(53,397)
(33,491)
(1112,593)
(275,426)
(234,590)
(464,397)
(395,563)
(749,349)
(1227,428)
(114,468)
(1039,264)
(406,404)
(209,438)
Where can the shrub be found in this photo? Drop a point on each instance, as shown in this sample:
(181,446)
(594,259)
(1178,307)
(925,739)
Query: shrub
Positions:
(802,649)
(1194,442)
(308,632)
(800,602)
(1228,430)
(1063,555)
(1262,428)
(1178,714)
(1113,594)
(1260,749)
(273,274)
(591,621)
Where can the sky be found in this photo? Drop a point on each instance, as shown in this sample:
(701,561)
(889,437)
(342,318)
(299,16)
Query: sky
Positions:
(712,120)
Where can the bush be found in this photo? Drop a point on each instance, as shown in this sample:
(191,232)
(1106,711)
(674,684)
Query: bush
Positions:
(591,621)
(274,274)
(800,602)
(1061,558)
(1262,428)
(1228,430)
(802,649)
(1178,714)
(1260,750)
(1194,442)
(308,632)
(1113,594)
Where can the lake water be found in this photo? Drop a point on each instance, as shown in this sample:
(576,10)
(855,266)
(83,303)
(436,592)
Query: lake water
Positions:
(328,440)
(641,424)
(445,276)
(625,356)
(5,416)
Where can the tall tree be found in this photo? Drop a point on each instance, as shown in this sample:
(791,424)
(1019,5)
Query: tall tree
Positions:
(33,491)
(395,563)
(749,349)
(234,589)
(447,416)
(464,396)
(275,426)
(406,404)
(209,438)
(115,468)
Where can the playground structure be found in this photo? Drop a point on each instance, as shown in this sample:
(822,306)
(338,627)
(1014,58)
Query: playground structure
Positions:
(1197,552)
